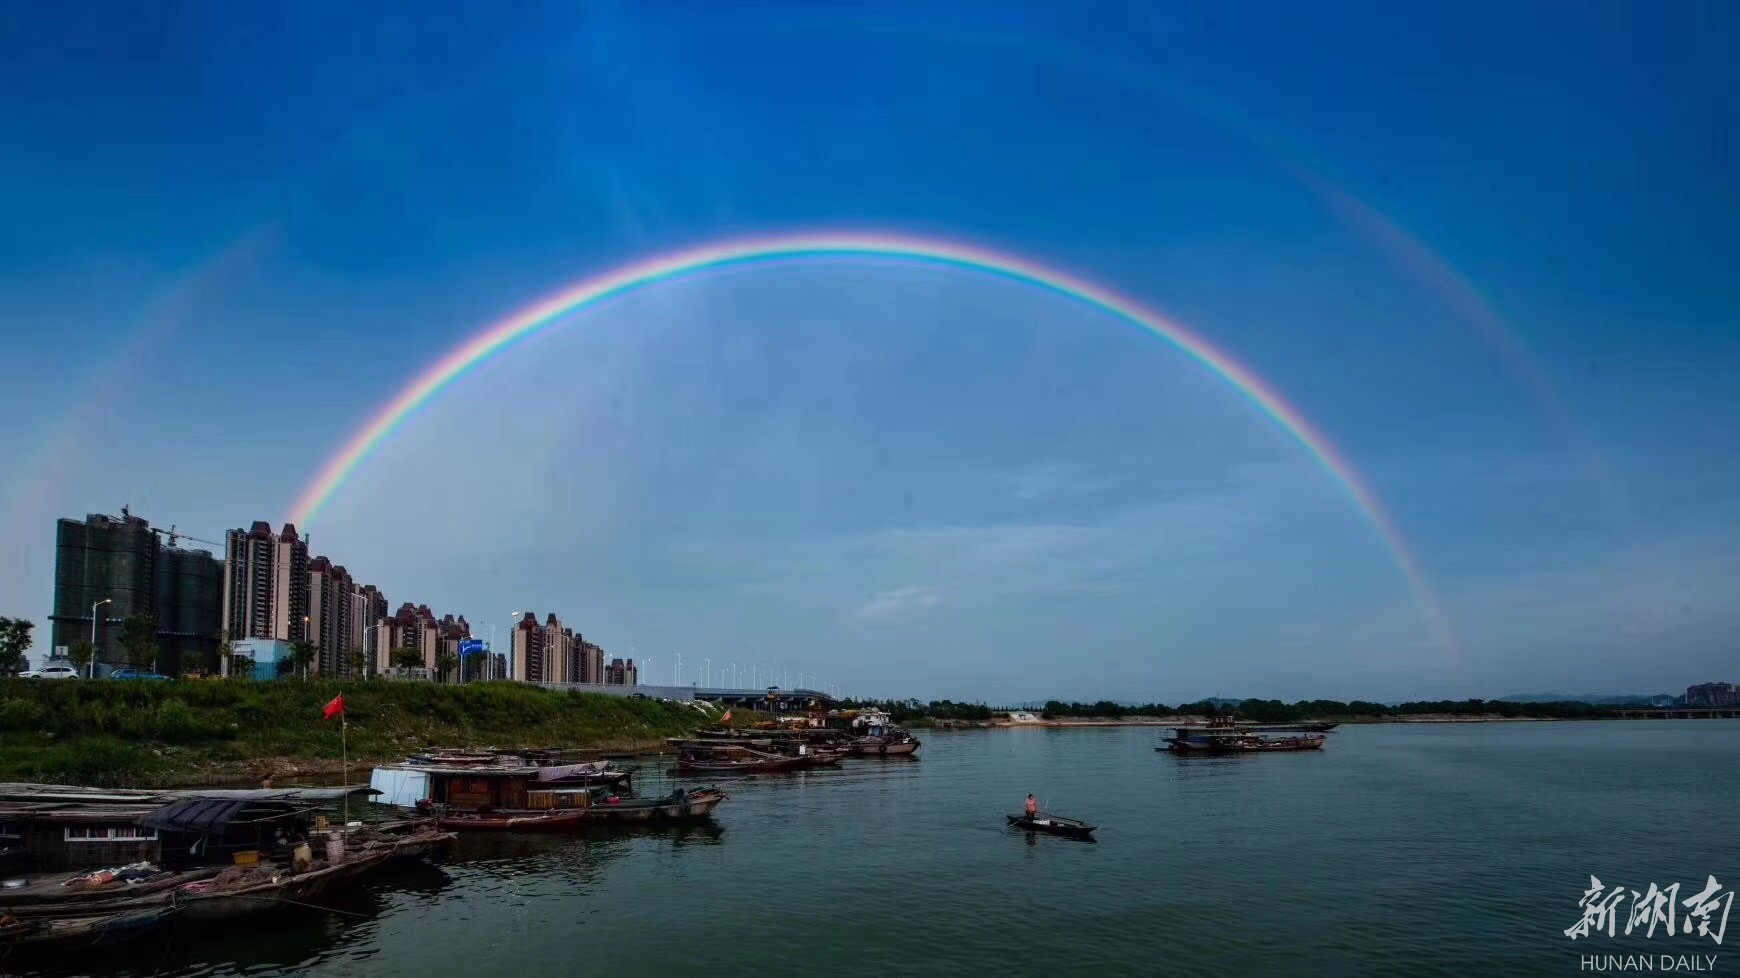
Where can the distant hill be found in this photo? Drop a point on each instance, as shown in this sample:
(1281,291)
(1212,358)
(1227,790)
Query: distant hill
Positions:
(1597,699)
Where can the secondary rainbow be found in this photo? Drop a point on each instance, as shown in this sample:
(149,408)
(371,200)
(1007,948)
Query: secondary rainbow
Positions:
(560,307)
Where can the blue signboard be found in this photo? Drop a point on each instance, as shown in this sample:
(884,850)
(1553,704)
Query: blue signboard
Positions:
(470,646)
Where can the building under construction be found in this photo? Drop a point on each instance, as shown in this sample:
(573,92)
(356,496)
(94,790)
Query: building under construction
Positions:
(120,567)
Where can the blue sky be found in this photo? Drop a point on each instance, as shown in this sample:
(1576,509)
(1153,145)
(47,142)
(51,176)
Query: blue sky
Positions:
(1488,250)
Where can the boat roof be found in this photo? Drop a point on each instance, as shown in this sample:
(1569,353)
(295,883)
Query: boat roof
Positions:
(22,792)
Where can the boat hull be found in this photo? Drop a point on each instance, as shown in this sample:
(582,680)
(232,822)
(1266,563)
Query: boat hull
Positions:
(776,765)
(901,749)
(1068,828)
(222,904)
(97,930)
(693,806)
(1252,746)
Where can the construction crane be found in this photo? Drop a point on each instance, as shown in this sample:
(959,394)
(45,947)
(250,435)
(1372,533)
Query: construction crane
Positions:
(174,536)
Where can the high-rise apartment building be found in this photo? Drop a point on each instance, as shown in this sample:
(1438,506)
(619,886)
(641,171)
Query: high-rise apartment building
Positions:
(622,672)
(119,565)
(416,627)
(189,608)
(331,606)
(590,667)
(553,653)
(266,584)
(372,609)
(543,653)
(1713,695)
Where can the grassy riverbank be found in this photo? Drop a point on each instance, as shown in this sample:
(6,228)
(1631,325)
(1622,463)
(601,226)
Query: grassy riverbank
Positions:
(120,734)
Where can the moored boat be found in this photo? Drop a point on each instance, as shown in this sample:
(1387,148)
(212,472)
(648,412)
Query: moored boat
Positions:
(679,806)
(91,929)
(499,797)
(240,891)
(1053,825)
(58,894)
(875,735)
(739,759)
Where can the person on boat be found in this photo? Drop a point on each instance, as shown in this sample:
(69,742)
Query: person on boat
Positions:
(1032,807)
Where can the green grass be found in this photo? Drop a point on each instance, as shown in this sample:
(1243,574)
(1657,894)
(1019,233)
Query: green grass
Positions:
(116,734)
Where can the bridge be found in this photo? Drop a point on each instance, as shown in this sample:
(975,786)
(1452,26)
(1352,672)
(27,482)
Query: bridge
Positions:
(784,700)
(1681,713)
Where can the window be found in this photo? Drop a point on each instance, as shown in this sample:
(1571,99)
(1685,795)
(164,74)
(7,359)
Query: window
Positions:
(109,833)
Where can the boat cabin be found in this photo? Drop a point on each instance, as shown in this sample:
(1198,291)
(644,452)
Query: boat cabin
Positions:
(477,788)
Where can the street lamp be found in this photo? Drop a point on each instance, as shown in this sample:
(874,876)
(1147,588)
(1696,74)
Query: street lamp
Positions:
(91,669)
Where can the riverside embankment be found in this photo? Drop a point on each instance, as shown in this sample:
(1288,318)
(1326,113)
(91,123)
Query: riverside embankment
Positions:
(155,734)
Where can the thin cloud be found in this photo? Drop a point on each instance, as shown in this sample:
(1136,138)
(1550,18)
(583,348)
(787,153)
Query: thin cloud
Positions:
(899,602)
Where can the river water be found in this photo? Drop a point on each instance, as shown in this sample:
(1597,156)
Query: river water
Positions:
(1453,849)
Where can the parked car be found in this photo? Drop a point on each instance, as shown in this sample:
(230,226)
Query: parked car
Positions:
(51,672)
(144,674)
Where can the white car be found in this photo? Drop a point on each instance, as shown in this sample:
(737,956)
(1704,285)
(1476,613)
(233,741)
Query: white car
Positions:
(52,672)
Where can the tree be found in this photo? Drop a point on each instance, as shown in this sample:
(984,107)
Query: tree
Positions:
(444,664)
(301,654)
(14,642)
(356,662)
(139,638)
(407,657)
(81,653)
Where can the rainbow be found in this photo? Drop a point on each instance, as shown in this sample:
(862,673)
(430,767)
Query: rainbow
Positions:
(552,311)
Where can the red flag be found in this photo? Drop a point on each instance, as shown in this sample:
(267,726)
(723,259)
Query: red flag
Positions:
(726,718)
(333,709)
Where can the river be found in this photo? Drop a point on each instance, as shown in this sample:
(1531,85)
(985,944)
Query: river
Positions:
(1421,849)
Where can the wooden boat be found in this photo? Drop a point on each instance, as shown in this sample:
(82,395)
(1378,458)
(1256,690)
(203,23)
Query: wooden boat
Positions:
(406,839)
(1258,745)
(551,767)
(1054,825)
(93,930)
(49,896)
(511,820)
(273,889)
(738,759)
(679,806)
(903,745)
(1224,736)
(875,735)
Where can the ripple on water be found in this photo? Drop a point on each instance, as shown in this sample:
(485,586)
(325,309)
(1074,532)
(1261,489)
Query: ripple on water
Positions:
(1426,850)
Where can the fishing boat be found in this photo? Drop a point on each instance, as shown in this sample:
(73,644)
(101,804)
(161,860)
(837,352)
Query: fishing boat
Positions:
(740,759)
(1054,825)
(243,891)
(92,930)
(553,767)
(406,839)
(1223,735)
(75,894)
(875,735)
(679,806)
(502,797)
